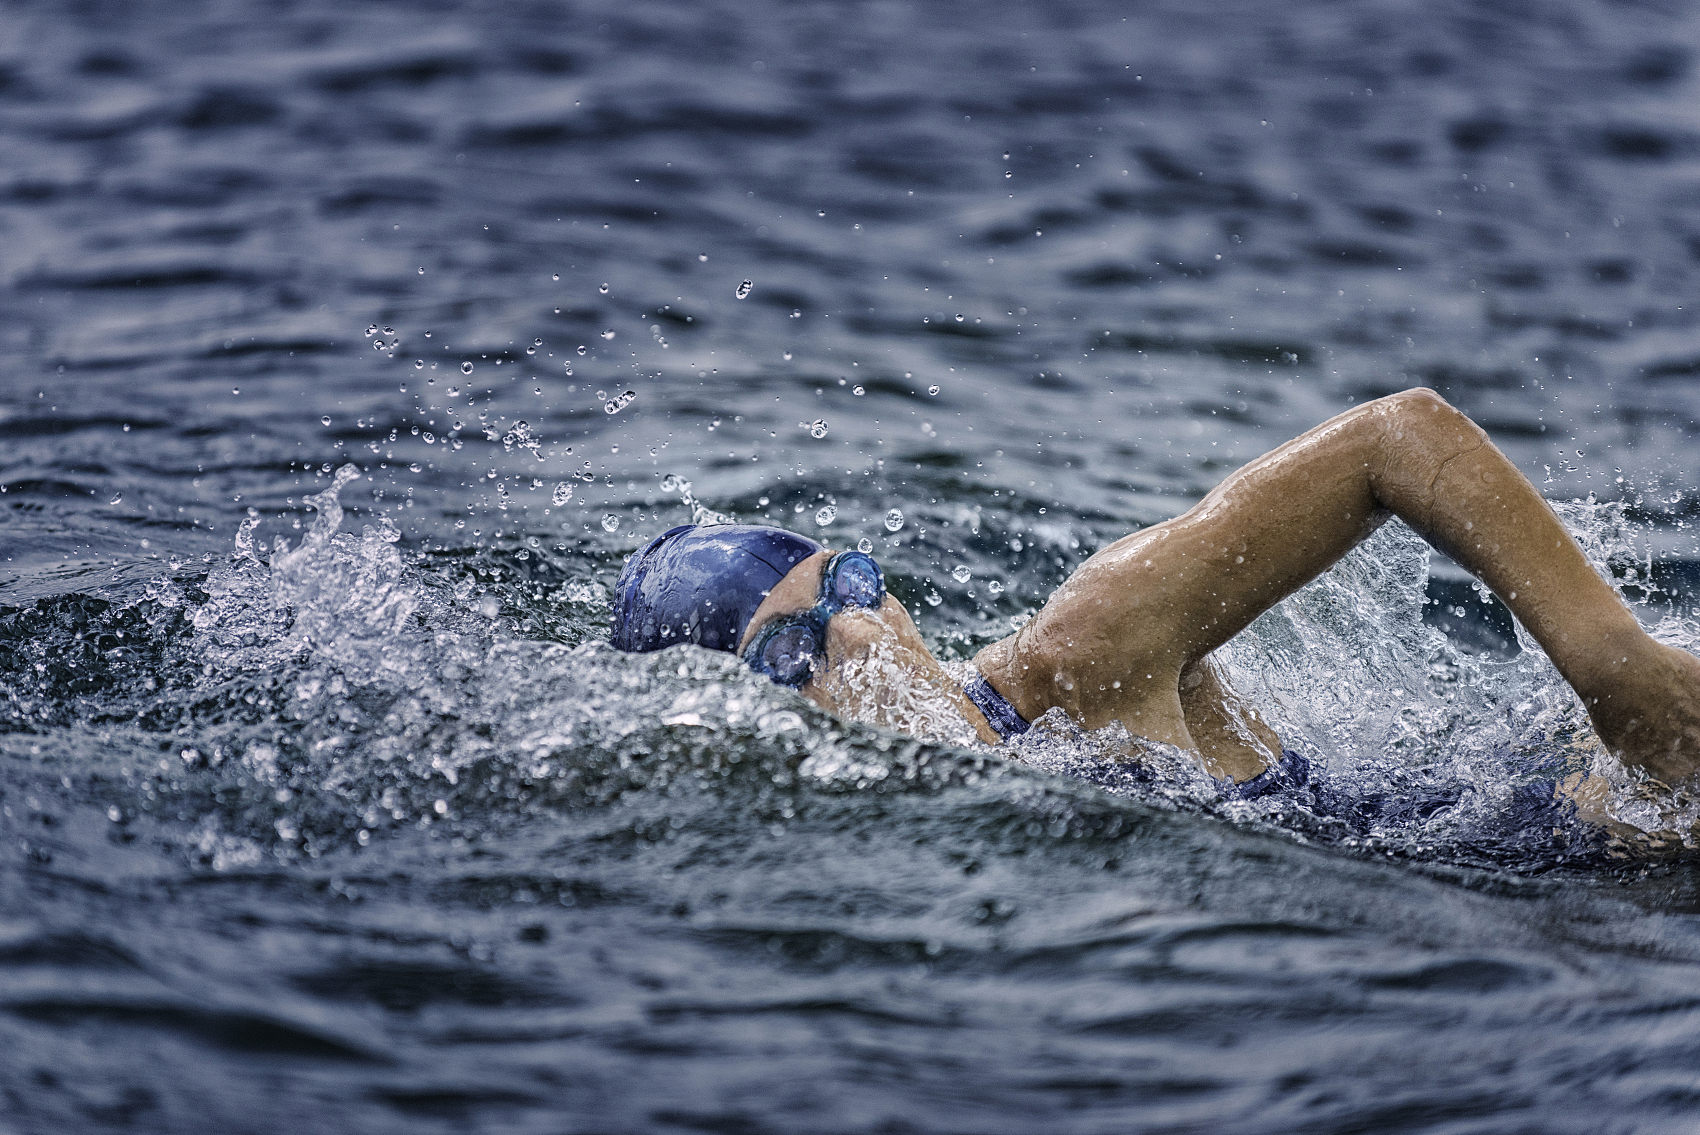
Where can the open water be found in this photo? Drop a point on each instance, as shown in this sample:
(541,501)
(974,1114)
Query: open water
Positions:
(324,805)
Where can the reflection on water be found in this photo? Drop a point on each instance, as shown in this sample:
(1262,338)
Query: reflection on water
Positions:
(322,791)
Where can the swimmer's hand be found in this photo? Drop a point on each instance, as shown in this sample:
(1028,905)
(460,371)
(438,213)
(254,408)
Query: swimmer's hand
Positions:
(1646,708)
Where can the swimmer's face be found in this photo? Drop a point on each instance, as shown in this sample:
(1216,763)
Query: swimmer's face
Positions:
(851,634)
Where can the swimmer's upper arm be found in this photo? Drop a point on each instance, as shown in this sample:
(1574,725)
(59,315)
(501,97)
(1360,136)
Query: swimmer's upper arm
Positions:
(1168,595)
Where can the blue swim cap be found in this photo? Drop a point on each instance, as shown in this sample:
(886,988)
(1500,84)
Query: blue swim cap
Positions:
(701,583)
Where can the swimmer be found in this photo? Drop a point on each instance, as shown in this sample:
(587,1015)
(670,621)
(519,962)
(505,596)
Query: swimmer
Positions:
(1128,637)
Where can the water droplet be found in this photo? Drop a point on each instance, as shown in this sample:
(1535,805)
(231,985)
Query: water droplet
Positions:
(325,421)
(371,331)
(933,598)
(787,356)
(894,520)
(615,405)
(857,391)
(959,318)
(418,364)
(821,213)
(489,607)
(562,494)
(389,331)
(960,573)
(603,288)
(581,348)
(864,545)
(454,392)
(537,342)
(466,368)
(932,390)
(556,276)
(744,289)
(994,587)
(608,334)
(610,523)
(826,514)
(816,428)
(601,394)
(117,498)
(421,270)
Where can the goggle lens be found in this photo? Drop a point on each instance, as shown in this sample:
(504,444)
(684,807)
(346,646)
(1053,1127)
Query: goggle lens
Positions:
(788,656)
(856,581)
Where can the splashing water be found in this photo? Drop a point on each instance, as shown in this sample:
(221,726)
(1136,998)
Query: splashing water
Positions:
(882,689)
(521,437)
(700,513)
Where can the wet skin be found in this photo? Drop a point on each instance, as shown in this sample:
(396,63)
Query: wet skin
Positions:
(1128,636)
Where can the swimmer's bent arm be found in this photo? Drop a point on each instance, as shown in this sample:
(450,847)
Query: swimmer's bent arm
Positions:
(1156,602)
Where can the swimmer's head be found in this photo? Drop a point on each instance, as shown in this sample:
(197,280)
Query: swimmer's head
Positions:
(701,584)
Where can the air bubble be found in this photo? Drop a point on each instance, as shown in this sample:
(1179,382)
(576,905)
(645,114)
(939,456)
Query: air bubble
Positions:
(610,523)
(466,368)
(826,514)
(894,520)
(744,289)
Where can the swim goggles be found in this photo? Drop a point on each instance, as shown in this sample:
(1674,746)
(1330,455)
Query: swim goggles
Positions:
(787,647)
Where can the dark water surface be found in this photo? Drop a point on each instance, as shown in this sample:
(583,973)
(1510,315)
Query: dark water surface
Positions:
(369,831)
